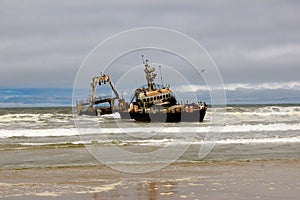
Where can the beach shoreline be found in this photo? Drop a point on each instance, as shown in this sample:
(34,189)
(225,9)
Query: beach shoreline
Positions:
(272,179)
(257,156)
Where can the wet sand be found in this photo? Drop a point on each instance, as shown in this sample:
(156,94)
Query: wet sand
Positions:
(278,179)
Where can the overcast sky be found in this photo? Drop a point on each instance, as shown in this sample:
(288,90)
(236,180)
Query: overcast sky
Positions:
(43,42)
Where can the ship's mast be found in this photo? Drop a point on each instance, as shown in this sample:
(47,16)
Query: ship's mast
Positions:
(150,76)
(161,78)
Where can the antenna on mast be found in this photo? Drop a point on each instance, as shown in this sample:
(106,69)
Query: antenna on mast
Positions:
(161,79)
(143,59)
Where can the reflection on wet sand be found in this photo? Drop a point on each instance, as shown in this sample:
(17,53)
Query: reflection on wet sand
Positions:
(201,180)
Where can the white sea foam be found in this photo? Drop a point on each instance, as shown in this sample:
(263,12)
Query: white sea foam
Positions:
(9,118)
(260,140)
(178,130)
(163,142)
(221,141)
(37,133)
(19,117)
(264,111)
(224,141)
(205,129)
(260,127)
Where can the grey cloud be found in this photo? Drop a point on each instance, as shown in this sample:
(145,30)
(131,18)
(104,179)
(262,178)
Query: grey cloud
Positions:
(50,39)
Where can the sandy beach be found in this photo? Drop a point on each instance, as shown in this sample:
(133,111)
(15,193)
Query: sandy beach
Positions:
(278,179)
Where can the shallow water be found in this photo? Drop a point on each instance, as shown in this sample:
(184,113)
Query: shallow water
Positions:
(49,136)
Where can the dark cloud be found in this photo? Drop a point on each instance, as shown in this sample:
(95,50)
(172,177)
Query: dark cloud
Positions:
(42,43)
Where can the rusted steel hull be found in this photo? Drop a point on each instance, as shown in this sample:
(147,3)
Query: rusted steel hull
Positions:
(96,112)
(195,116)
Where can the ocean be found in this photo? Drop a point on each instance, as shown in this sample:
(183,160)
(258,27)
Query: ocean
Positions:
(48,137)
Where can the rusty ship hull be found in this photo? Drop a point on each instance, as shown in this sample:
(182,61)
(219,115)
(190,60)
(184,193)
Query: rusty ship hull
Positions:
(195,116)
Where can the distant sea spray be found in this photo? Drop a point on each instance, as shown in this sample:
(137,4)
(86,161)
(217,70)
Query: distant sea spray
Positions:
(35,97)
(53,97)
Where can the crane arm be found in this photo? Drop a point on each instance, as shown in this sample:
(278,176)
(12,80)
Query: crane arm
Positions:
(101,80)
(112,87)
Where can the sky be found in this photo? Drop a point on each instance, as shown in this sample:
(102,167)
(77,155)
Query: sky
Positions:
(255,44)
